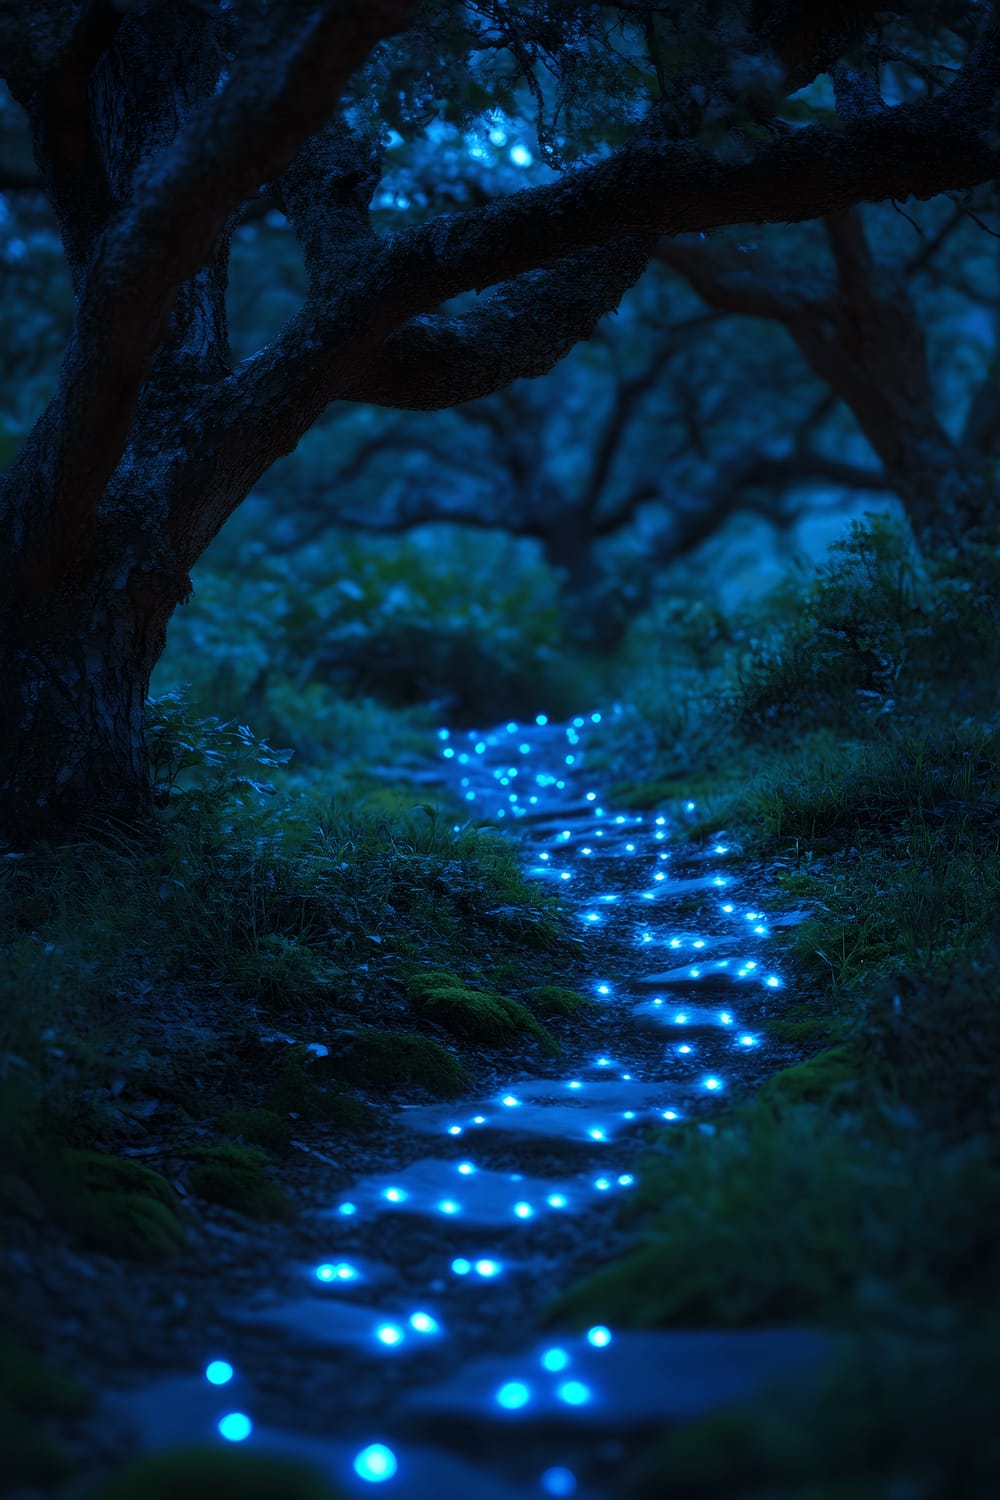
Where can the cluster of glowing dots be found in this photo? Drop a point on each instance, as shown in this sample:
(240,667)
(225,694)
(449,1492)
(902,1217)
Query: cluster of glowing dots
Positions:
(393,1334)
(514,1395)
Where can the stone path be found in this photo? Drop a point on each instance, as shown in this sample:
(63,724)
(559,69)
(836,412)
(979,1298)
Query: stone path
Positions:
(411,1354)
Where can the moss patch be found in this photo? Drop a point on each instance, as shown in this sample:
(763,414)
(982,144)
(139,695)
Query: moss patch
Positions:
(214,1474)
(30,1392)
(117,1205)
(257,1127)
(479,1015)
(554,1000)
(236,1177)
(391,1059)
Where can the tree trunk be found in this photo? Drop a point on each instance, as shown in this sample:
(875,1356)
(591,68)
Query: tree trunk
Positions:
(75,666)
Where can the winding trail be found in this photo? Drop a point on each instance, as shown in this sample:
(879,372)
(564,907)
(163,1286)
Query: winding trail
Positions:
(404,1349)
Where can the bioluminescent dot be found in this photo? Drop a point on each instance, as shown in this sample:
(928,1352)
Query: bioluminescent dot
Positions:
(389,1334)
(559,1482)
(728,907)
(448,753)
(773,981)
(604,989)
(375,1463)
(602,1184)
(556,1200)
(347,1209)
(747,1041)
(570,760)
(422,1322)
(629,1114)
(680,1018)
(480,749)
(604,1062)
(720,880)
(596,1134)
(454,1130)
(460,1266)
(760,929)
(521,156)
(675,942)
(466,1168)
(670,1114)
(722,849)
(595,718)
(339,1272)
(695,973)
(444,734)
(626,1179)
(523,1210)
(565,875)
(235,1427)
(629,848)
(660,822)
(555,1360)
(509,1100)
(395,1195)
(586,851)
(449,1206)
(712,1084)
(219,1372)
(619,819)
(524,749)
(488,1267)
(591,916)
(573,1392)
(479,1119)
(689,806)
(540,719)
(511,728)
(577,723)
(599,1336)
(575,1084)
(470,796)
(513,1394)
(684,1047)
(544,855)
(698,943)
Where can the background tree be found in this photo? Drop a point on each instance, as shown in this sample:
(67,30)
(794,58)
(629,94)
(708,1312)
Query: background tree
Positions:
(153,128)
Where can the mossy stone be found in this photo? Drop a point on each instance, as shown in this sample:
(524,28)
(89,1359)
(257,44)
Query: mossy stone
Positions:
(480,1015)
(555,1000)
(390,1059)
(215,1474)
(236,1177)
(117,1205)
(837,1072)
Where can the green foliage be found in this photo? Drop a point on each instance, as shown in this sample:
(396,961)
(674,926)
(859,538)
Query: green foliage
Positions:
(195,757)
(256,1127)
(481,1015)
(214,1474)
(393,1059)
(236,1177)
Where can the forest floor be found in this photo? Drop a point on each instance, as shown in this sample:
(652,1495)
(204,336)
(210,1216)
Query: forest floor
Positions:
(492,1219)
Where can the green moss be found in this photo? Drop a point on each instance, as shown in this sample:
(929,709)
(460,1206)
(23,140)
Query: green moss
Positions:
(285,975)
(298,1090)
(392,1059)
(30,1392)
(236,1177)
(214,1474)
(480,1015)
(837,1073)
(554,1000)
(257,1127)
(116,1205)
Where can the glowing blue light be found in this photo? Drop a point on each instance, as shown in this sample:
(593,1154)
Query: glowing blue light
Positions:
(680,1018)
(660,822)
(218,1372)
(571,760)
(725,1018)
(480,748)
(488,1267)
(573,1392)
(747,1041)
(629,1114)
(577,723)
(670,1114)
(460,1266)
(684,1048)
(626,1179)
(524,748)
(498,137)
(604,989)
(513,1395)
(235,1427)
(659,875)
(592,916)
(728,907)
(521,156)
(523,1210)
(565,875)
(689,806)
(773,982)
(347,1209)
(586,851)
(559,1482)
(389,1333)
(341,1272)
(422,1322)
(395,1195)
(449,1206)
(602,1184)
(599,1336)
(466,1168)
(712,1084)
(760,930)
(555,1360)
(695,973)
(454,1130)
(444,734)
(449,753)
(604,1062)
(375,1463)
(698,943)
(619,819)
(509,1100)
(556,1200)
(722,848)
(541,719)
(595,718)
(470,796)
(575,1084)
(512,728)
(597,1135)
(479,1119)
(675,942)
(630,848)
